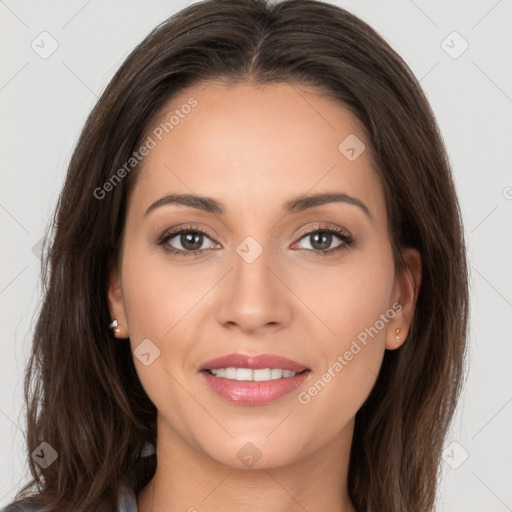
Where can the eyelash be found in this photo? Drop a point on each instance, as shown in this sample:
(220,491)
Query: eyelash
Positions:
(347,240)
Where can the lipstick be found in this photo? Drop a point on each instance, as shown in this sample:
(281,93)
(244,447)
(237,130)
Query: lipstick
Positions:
(253,379)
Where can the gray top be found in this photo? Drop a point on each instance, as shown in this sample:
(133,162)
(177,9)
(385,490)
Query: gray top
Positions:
(126,502)
(126,499)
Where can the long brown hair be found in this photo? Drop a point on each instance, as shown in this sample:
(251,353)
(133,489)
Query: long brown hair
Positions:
(82,392)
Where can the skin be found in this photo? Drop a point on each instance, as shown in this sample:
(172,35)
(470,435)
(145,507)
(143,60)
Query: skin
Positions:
(253,148)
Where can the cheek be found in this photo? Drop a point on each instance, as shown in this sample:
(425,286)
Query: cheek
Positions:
(351,363)
(355,310)
(158,294)
(157,300)
(349,298)
(162,301)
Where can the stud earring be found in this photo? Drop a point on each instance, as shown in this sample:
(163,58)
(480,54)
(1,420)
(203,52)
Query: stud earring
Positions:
(397,337)
(118,330)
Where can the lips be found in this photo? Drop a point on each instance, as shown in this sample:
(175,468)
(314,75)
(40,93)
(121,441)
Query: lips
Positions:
(253,362)
(253,392)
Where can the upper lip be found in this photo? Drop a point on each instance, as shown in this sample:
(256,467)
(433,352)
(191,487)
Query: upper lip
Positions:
(253,361)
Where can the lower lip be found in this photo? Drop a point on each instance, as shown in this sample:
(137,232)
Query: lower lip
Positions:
(253,392)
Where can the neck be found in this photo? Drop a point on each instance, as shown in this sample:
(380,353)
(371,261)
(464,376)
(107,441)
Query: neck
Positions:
(187,479)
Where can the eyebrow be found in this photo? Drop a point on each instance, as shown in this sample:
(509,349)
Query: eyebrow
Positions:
(294,205)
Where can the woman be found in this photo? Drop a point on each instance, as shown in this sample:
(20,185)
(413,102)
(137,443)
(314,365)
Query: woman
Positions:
(256,292)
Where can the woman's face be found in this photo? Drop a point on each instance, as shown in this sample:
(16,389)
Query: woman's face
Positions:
(268,278)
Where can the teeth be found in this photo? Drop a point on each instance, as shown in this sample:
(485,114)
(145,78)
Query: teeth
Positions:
(260,374)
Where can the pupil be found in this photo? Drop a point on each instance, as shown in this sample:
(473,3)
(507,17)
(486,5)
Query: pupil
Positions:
(325,238)
(188,240)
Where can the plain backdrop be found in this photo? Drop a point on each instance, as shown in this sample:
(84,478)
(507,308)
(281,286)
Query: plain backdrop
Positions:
(459,50)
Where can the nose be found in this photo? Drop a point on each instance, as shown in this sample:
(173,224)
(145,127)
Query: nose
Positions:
(254,295)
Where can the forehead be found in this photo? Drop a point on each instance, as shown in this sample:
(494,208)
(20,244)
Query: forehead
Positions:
(239,142)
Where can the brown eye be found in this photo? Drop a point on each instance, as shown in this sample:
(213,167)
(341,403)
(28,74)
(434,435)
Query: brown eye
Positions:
(185,242)
(190,240)
(321,240)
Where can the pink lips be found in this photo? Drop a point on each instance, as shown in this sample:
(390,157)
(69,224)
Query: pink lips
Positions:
(253,362)
(253,392)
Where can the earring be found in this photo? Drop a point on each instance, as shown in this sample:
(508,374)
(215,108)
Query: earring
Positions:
(397,337)
(118,330)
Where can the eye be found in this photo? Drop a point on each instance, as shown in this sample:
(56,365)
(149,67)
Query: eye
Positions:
(321,238)
(189,240)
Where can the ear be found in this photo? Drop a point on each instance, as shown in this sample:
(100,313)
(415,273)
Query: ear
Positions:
(116,302)
(405,293)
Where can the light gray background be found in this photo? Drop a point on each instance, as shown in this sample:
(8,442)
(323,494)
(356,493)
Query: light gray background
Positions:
(44,103)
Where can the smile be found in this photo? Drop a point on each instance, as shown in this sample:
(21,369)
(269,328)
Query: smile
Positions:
(253,379)
(248,374)
(251,392)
